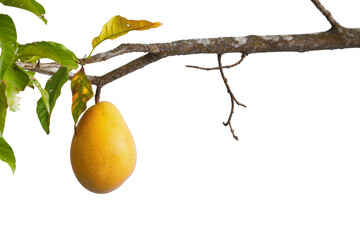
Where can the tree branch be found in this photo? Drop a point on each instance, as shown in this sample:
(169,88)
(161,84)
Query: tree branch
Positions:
(47,69)
(126,69)
(328,40)
(338,37)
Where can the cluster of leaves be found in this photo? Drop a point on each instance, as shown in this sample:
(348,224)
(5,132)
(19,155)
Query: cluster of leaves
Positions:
(14,78)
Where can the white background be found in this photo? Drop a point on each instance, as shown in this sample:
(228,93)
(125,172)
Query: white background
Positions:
(293,174)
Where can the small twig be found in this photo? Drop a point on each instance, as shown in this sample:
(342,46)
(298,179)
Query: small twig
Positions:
(232,97)
(217,68)
(327,14)
(97,93)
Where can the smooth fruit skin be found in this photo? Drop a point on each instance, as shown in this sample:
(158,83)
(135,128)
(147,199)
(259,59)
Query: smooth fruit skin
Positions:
(103,153)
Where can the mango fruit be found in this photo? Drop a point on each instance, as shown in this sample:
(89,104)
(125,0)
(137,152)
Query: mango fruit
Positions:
(103,153)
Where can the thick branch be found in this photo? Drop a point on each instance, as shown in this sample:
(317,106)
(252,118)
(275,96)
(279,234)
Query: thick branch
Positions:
(332,39)
(348,38)
(337,37)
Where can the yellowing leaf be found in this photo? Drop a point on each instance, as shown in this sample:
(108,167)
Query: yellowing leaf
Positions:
(82,93)
(118,26)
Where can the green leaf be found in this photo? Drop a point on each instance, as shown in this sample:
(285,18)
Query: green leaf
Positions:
(3,107)
(118,26)
(55,51)
(8,43)
(82,92)
(53,87)
(7,154)
(29,5)
(15,79)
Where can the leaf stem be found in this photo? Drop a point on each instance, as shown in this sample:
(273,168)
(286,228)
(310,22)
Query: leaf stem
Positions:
(90,54)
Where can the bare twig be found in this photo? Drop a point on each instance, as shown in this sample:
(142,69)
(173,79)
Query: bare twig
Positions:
(217,68)
(327,14)
(232,97)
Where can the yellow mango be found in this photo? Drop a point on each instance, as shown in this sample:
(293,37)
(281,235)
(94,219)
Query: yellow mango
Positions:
(103,153)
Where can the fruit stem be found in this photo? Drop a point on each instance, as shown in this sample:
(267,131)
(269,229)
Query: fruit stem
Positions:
(97,94)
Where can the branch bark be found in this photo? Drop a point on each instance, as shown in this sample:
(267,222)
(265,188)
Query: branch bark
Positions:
(328,40)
